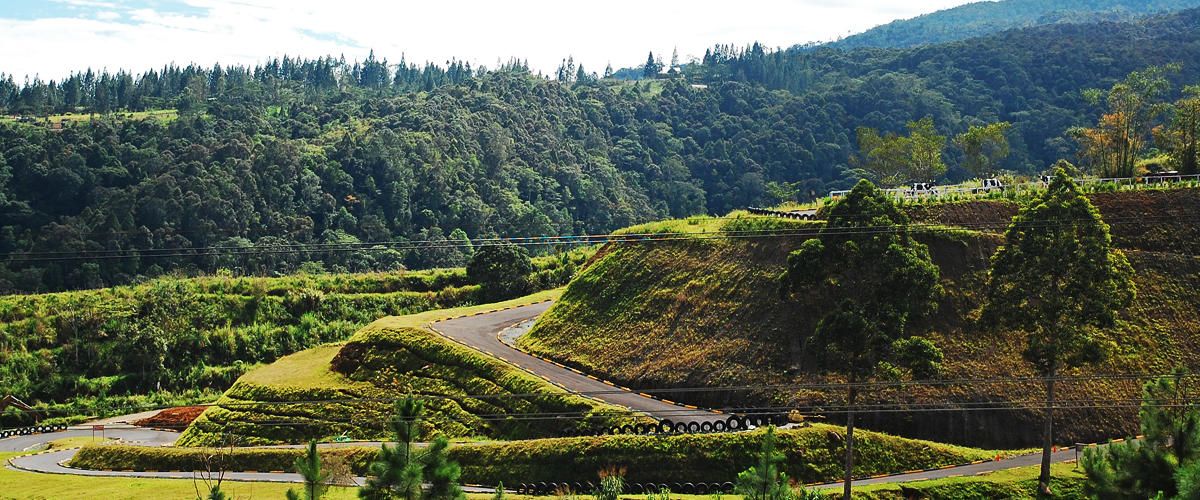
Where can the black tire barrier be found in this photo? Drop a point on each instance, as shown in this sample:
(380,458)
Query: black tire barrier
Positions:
(701,488)
(706,427)
(719,426)
(615,430)
(640,429)
(693,427)
(520,489)
(688,489)
(554,487)
(734,423)
(666,426)
(681,427)
(541,489)
(627,429)
(727,487)
(576,488)
(676,488)
(636,489)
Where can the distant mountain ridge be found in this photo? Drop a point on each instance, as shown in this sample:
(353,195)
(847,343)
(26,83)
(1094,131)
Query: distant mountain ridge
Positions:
(988,17)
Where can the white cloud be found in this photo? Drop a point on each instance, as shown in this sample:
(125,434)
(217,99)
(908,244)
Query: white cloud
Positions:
(479,31)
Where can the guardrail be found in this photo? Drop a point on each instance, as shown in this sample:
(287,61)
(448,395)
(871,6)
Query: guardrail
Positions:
(37,429)
(734,423)
(978,189)
(785,215)
(701,488)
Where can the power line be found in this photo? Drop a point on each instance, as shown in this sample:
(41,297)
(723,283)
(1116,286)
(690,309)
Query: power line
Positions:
(833,386)
(294,248)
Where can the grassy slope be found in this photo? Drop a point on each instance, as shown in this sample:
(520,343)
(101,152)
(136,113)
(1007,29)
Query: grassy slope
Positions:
(180,341)
(19,485)
(1012,484)
(812,454)
(389,358)
(695,313)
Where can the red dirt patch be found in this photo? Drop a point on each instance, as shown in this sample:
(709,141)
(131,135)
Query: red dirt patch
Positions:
(172,418)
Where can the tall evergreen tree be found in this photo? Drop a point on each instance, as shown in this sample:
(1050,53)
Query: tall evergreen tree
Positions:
(408,472)
(1058,280)
(1165,464)
(876,283)
(650,69)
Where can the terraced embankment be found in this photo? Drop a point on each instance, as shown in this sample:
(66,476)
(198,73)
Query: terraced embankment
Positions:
(347,389)
(696,313)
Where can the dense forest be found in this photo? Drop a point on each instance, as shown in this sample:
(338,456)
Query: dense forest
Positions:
(370,166)
(987,17)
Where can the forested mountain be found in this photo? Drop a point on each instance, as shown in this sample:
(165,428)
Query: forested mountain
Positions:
(987,17)
(350,166)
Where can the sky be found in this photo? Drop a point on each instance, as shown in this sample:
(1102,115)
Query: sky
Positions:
(52,38)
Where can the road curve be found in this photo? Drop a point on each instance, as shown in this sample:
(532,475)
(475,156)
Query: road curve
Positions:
(51,462)
(479,332)
(980,469)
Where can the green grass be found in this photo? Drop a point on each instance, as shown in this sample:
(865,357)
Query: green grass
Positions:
(696,313)
(1012,484)
(179,340)
(20,485)
(391,358)
(164,114)
(738,220)
(810,456)
(74,442)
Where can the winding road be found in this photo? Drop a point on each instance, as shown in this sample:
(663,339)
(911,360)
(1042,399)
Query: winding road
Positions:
(479,332)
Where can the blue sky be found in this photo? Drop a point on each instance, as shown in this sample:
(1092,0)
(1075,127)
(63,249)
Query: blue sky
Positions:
(51,38)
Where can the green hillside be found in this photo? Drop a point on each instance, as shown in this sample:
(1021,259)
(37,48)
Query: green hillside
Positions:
(315,164)
(984,18)
(177,341)
(696,313)
(812,455)
(392,358)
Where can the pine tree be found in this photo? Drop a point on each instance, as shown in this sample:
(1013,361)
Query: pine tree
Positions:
(764,481)
(1166,461)
(315,478)
(1058,280)
(650,69)
(876,284)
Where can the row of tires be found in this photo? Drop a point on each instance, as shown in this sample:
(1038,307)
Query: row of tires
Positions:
(632,488)
(785,215)
(732,424)
(37,429)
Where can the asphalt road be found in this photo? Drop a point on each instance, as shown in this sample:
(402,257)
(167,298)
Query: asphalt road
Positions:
(50,462)
(963,471)
(141,436)
(480,332)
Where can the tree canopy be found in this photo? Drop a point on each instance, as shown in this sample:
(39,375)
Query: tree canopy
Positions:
(1058,281)
(879,281)
(371,165)
(1166,462)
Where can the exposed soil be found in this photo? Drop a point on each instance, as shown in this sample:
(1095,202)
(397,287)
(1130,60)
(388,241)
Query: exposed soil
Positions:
(172,418)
